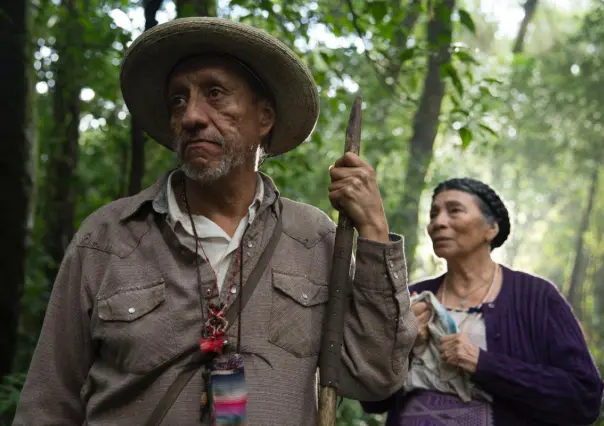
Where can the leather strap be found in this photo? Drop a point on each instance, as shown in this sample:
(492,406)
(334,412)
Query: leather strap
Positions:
(166,402)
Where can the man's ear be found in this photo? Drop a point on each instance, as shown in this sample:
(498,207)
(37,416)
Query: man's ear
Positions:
(267,117)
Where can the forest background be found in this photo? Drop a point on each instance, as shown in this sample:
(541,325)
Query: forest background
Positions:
(508,92)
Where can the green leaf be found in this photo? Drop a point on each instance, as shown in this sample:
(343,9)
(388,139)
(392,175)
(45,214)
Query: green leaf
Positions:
(486,92)
(449,71)
(378,10)
(488,129)
(459,110)
(466,137)
(407,54)
(467,21)
(492,81)
(466,57)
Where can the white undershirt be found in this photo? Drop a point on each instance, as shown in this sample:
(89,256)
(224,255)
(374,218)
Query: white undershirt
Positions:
(217,244)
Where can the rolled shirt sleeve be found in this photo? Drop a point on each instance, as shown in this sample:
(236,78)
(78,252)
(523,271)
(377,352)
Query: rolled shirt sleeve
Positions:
(380,327)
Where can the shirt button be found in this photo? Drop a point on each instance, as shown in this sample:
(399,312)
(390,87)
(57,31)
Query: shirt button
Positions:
(249,244)
(131,310)
(391,263)
(491,305)
(233,290)
(395,275)
(304,296)
(391,252)
(208,291)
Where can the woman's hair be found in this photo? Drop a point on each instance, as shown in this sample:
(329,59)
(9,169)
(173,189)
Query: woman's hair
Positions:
(490,204)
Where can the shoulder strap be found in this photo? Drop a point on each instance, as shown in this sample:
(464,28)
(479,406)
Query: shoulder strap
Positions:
(166,402)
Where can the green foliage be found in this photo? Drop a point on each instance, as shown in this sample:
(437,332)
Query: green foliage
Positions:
(10,389)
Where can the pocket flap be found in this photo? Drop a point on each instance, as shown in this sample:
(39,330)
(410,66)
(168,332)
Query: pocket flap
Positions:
(301,289)
(130,304)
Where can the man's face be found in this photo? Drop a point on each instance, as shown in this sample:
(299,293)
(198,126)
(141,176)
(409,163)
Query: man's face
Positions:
(218,122)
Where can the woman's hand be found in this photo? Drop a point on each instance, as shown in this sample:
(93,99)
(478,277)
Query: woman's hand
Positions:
(457,350)
(422,317)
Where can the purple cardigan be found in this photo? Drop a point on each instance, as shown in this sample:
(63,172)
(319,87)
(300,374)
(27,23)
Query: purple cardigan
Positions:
(537,368)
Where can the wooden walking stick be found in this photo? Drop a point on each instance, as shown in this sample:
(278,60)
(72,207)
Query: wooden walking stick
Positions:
(339,289)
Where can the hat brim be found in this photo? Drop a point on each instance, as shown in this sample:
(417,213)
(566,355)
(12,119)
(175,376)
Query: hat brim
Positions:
(155,53)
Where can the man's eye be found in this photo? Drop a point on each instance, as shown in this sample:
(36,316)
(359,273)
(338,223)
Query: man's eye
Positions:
(177,101)
(214,92)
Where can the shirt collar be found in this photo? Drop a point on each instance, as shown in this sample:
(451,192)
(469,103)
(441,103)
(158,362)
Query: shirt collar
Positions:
(169,204)
(156,195)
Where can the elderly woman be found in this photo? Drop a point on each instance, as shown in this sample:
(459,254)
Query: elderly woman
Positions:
(517,343)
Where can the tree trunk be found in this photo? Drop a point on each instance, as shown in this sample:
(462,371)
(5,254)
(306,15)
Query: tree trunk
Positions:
(137,135)
(15,157)
(187,8)
(579,263)
(425,127)
(530,6)
(60,188)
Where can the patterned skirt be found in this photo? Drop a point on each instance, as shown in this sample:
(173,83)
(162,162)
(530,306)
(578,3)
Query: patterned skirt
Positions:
(428,408)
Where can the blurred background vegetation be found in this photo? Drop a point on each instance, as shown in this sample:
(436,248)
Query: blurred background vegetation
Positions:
(506,91)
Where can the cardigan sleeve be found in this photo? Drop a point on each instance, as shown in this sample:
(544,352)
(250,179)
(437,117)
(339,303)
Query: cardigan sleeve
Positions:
(565,390)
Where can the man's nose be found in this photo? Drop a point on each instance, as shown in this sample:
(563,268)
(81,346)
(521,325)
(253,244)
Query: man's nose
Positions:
(196,115)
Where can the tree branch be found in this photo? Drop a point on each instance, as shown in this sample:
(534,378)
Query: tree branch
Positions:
(376,67)
(530,6)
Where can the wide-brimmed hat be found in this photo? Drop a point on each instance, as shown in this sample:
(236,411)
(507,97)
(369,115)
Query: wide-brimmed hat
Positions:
(153,55)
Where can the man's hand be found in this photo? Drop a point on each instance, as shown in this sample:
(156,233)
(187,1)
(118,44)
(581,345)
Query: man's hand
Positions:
(422,313)
(457,350)
(354,190)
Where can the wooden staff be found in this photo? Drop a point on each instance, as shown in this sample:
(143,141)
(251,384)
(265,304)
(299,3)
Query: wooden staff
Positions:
(339,289)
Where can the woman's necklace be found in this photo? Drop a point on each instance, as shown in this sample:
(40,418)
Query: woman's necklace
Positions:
(463,300)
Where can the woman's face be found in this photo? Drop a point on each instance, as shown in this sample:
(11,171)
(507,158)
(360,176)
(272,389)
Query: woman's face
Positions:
(457,227)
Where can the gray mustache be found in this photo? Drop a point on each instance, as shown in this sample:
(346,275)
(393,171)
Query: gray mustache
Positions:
(184,141)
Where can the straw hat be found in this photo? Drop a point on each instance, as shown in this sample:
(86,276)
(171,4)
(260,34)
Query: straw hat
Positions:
(153,55)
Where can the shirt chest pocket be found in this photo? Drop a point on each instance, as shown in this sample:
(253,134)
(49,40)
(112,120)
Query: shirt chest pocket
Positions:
(136,328)
(297,309)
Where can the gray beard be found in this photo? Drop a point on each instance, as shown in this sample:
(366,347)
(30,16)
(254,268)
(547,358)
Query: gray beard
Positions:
(231,159)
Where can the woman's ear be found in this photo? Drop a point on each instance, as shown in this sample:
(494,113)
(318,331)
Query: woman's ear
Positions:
(492,231)
(267,117)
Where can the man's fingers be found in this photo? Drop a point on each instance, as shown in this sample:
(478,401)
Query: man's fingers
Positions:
(351,181)
(349,159)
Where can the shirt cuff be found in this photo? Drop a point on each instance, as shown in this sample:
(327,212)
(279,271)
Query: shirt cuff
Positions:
(381,266)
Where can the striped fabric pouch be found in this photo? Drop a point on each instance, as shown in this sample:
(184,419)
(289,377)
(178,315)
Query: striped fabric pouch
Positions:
(228,393)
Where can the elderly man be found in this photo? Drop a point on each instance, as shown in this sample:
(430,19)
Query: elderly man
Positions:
(172,268)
